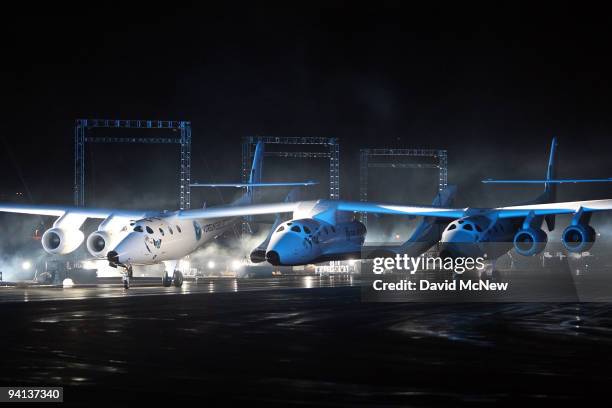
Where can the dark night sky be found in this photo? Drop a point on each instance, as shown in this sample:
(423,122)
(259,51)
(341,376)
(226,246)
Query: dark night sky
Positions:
(491,85)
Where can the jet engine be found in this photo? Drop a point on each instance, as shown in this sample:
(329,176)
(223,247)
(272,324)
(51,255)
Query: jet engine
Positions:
(530,241)
(99,243)
(578,238)
(60,241)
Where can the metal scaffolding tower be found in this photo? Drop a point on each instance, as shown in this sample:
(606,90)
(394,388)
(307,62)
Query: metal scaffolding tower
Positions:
(396,159)
(331,151)
(83,126)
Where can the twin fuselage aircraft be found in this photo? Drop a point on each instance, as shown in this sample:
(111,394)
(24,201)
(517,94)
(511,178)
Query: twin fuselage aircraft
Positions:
(317,230)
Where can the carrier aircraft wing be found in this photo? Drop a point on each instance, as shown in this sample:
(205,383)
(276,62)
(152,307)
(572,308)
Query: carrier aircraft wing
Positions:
(350,206)
(569,207)
(58,211)
(102,213)
(426,211)
(233,211)
(238,210)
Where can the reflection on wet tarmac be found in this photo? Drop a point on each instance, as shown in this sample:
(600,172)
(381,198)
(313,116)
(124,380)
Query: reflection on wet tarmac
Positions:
(151,287)
(276,343)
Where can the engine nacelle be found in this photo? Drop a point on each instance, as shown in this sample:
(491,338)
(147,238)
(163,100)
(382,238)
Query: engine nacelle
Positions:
(99,243)
(578,238)
(60,241)
(530,241)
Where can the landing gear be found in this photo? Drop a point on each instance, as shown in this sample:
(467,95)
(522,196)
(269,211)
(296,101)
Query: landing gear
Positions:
(176,279)
(166,280)
(127,275)
(491,272)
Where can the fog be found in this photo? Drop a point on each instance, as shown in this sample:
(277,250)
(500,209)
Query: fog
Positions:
(149,180)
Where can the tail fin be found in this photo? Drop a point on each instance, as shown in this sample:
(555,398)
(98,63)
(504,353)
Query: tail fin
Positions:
(254,183)
(550,181)
(256,171)
(550,189)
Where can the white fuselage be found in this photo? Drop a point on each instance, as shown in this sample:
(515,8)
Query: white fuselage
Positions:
(156,239)
(307,240)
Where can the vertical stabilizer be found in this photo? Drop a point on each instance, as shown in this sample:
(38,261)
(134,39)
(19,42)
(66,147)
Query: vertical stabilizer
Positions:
(550,189)
(256,171)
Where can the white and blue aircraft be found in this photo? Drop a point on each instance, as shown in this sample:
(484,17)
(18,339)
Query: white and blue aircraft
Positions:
(133,237)
(317,230)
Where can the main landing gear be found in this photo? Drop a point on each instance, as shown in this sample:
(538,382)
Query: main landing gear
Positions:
(490,272)
(176,279)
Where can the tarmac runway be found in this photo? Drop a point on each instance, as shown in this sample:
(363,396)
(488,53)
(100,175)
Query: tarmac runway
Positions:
(112,288)
(298,341)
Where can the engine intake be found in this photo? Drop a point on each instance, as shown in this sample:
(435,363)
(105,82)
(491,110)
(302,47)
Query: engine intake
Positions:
(530,241)
(60,241)
(99,243)
(578,238)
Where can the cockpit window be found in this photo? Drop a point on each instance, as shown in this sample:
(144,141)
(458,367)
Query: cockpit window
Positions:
(149,230)
(296,228)
(170,229)
(138,228)
(281,228)
(478,228)
(161,231)
(468,227)
(306,229)
(451,227)
(178,229)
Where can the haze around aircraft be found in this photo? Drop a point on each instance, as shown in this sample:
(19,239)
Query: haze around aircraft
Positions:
(127,237)
(320,228)
(323,227)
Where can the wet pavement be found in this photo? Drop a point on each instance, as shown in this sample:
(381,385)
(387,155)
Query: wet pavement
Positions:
(297,341)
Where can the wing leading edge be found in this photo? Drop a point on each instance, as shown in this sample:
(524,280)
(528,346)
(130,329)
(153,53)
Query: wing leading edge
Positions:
(351,206)
(569,207)
(58,211)
(426,211)
(238,210)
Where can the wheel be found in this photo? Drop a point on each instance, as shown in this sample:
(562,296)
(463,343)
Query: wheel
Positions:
(126,283)
(166,280)
(177,279)
(130,272)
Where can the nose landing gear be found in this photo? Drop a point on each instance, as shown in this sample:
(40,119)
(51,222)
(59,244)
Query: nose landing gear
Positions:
(126,276)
